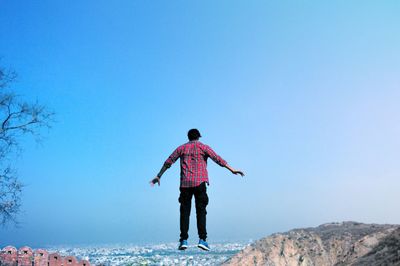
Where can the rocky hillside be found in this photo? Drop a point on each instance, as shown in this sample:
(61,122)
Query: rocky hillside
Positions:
(347,243)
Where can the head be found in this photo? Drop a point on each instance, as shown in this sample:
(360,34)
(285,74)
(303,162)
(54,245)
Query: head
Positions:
(194,134)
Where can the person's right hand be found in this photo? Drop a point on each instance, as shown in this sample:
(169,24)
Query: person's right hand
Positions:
(154,181)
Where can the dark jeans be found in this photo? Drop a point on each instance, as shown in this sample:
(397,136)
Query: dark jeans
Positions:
(201,199)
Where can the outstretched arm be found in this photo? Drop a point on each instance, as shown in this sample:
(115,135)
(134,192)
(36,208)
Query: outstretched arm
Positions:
(171,159)
(158,177)
(235,172)
(218,159)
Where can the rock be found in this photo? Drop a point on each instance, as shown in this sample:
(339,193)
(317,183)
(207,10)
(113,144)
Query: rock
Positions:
(346,243)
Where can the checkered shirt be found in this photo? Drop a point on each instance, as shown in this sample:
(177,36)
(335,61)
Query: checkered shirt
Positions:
(194,155)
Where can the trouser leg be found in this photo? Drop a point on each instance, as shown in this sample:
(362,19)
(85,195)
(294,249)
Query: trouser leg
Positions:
(201,198)
(185,200)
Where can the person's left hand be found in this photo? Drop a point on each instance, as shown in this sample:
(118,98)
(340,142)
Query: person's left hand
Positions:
(236,172)
(154,181)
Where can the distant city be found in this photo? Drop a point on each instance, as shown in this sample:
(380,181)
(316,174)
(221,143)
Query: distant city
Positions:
(154,254)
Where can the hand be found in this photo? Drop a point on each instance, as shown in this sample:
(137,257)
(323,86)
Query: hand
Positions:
(235,172)
(154,181)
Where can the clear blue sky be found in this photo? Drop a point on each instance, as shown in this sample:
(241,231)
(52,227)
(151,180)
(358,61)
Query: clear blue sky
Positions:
(301,95)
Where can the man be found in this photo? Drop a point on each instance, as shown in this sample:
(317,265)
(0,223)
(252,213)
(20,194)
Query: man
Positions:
(193,158)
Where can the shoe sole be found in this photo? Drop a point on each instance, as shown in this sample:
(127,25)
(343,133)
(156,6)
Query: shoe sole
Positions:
(203,247)
(182,247)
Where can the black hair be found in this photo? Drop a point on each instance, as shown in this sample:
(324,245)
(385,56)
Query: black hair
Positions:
(193,134)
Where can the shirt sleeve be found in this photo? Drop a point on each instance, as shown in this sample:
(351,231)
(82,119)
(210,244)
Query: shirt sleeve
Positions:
(173,157)
(214,156)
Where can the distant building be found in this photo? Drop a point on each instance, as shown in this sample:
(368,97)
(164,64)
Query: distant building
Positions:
(25,256)
(56,260)
(70,261)
(41,257)
(9,256)
(84,263)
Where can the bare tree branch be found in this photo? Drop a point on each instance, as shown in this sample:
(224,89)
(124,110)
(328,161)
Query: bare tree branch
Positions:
(17,118)
(7,76)
(10,201)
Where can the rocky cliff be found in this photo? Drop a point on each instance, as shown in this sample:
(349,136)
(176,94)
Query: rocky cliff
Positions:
(347,243)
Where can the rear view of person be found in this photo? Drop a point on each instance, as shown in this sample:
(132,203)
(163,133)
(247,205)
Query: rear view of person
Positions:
(193,157)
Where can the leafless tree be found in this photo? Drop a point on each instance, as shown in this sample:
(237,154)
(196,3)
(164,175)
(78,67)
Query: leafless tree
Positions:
(17,119)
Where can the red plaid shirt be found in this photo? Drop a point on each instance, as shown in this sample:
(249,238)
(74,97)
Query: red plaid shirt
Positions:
(194,155)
